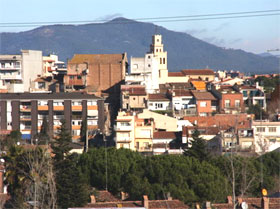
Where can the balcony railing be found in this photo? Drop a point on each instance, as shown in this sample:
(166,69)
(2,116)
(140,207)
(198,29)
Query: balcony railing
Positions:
(124,139)
(14,77)
(123,128)
(58,117)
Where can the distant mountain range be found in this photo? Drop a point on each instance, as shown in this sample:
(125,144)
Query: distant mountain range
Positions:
(124,35)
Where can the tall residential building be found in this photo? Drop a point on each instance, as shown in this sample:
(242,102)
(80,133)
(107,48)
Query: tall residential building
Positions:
(17,71)
(25,112)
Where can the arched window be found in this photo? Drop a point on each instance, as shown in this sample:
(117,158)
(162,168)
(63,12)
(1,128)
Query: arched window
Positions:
(163,60)
(160,60)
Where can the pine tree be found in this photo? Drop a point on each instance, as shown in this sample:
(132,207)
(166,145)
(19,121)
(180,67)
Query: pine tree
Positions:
(198,147)
(71,188)
(43,136)
(61,145)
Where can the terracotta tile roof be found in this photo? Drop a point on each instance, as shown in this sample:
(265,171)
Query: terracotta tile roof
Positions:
(182,92)
(198,72)
(154,204)
(203,95)
(176,74)
(224,121)
(97,58)
(165,135)
(247,87)
(134,90)
(157,97)
(105,196)
(253,203)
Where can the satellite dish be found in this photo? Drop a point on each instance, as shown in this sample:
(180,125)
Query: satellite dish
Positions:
(244,205)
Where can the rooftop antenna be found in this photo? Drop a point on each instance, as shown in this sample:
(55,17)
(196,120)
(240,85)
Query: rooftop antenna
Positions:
(156,29)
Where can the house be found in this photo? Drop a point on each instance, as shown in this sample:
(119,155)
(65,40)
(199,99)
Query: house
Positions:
(96,72)
(252,95)
(26,111)
(205,102)
(229,99)
(162,122)
(158,102)
(167,142)
(266,135)
(133,97)
(45,84)
(181,98)
(135,131)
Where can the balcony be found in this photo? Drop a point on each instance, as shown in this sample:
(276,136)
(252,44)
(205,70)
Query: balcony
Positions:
(58,117)
(10,77)
(123,128)
(25,108)
(10,67)
(25,117)
(124,140)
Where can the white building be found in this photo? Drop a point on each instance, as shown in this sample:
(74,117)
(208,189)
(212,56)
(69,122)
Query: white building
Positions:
(150,70)
(17,71)
(266,135)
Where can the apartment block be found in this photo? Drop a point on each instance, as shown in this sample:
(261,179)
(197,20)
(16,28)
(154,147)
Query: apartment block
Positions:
(17,71)
(26,111)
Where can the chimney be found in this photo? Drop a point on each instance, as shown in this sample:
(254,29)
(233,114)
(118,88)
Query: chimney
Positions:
(169,196)
(124,195)
(229,198)
(265,203)
(145,202)
(92,199)
(208,205)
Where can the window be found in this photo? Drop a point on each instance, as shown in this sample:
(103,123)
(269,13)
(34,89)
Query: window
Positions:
(227,103)
(237,103)
(272,129)
(203,104)
(245,94)
(207,79)
(260,129)
(159,105)
(157,40)
(41,85)
(71,77)
(163,60)
(125,124)
(149,65)
(160,61)
(149,57)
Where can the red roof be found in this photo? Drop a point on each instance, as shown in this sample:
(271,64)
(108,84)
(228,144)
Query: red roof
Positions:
(165,135)
(182,92)
(154,204)
(203,95)
(176,74)
(157,97)
(198,72)
(223,121)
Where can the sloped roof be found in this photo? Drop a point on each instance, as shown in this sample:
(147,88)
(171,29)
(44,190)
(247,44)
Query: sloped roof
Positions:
(198,72)
(154,204)
(97,58)
(175,74)
(165,135)
(157,97)
(182,92)
(105,196)
(203,95)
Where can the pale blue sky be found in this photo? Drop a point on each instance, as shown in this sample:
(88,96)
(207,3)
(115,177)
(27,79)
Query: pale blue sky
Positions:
(253,34)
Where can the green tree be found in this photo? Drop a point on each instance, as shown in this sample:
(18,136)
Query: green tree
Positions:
(257,111)
(61,145)
(72,190)
(43,136)
(30,177)
(198,147)
(12,138)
